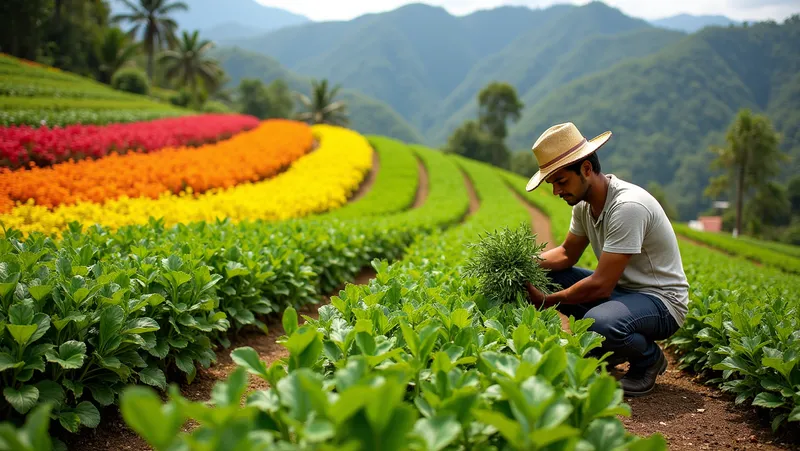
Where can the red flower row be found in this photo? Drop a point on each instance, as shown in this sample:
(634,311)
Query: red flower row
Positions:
(23,145)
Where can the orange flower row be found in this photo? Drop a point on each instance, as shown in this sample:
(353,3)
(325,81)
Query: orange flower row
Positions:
(247,157)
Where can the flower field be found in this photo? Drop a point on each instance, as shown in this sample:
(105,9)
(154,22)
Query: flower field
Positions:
(318,182)
(22,145)
(247,157)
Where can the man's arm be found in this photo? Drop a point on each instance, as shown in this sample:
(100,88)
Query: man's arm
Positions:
(627,224)
(566,255)
(597,286)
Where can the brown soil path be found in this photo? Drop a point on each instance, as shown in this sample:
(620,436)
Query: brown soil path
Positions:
(474,200)
(422,184)
(369,180)
(690,415)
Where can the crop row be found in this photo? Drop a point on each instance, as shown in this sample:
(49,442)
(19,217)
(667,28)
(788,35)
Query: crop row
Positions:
(417,359)
(246,157)
(321,181)
(23,87)
(745,249)
(743,330)
(100,309)
(12,66)
(24,145)
(123,114)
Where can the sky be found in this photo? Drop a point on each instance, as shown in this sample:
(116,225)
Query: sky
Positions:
(322,10)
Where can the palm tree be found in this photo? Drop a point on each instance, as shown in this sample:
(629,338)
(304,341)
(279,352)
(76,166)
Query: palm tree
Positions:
(159,28)
(114,52)
(321,108)
(188,63)
(751,158)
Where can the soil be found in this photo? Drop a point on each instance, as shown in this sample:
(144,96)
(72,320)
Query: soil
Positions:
(694,416)
(474,200)
(369,180)
(690,415)
(423,185)
(540,223)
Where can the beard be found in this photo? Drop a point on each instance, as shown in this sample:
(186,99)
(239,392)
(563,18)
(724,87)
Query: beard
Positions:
(572,199)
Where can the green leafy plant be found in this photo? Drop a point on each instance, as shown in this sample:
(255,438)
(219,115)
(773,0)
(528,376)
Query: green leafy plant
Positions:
(504,260)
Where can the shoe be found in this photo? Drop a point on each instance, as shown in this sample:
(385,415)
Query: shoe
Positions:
(639,382)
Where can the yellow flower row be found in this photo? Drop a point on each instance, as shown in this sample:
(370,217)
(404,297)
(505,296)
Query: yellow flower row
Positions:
(321,181)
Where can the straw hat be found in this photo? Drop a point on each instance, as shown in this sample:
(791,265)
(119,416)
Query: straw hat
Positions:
(560,146)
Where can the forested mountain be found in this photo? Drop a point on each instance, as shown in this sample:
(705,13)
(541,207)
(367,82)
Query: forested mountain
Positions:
(667,108)
(367,115)
(666,94)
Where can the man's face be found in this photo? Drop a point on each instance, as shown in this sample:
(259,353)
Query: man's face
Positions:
(569,186)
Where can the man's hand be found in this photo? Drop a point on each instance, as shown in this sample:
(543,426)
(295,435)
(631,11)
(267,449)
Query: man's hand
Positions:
(535,296)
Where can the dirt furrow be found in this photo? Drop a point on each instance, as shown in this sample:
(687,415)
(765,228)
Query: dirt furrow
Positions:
(690,415)
(474,200)
(369,180)
(422,185)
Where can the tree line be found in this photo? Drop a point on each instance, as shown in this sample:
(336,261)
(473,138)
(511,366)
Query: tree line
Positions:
(141,51)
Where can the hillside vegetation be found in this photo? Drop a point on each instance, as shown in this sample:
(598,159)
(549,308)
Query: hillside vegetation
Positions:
(367,115)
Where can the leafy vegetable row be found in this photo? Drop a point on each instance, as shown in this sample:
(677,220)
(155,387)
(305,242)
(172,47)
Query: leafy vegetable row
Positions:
(743,331)
(123,113)
(418,359)
(247,157)
(98,310)
(743,248)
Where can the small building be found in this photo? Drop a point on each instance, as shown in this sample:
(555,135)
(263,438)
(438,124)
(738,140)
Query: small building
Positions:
(707,223)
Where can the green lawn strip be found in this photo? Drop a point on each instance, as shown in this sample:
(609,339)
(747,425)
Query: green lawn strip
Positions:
(783,248)
(395,182)
(416,357)
(742,248)
(98,310)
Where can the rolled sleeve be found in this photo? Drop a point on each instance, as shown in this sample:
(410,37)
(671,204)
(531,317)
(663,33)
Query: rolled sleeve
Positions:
(626,228)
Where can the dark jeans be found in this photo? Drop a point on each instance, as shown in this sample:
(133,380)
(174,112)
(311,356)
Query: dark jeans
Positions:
(629,321)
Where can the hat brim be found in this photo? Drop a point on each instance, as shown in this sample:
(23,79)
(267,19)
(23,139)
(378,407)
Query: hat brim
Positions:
(591,146)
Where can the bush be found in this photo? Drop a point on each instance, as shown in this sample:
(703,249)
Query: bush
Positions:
(131,80)
(180,98)
(213,106)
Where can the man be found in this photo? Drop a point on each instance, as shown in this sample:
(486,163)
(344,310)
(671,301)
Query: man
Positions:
(639,292)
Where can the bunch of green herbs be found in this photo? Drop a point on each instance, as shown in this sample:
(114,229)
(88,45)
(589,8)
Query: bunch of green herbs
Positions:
(504,259)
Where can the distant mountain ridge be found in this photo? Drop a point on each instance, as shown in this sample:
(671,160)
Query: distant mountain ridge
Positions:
(228,19)
(691,23)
